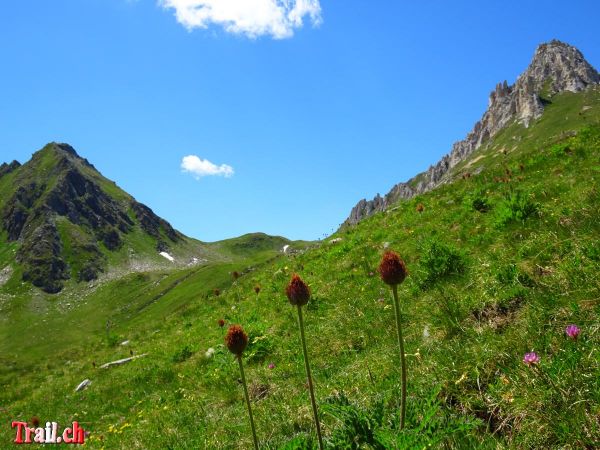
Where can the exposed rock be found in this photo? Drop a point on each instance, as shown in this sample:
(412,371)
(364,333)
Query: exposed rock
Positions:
(152,224)
(16,210)
(41,256)
(5,169)
(93,266)
(5,274)
(83,202)
(556,67)
(121,361)
(71,151)
(84,384)
(110,237)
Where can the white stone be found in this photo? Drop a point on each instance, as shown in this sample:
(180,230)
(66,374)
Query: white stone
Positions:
(84,384)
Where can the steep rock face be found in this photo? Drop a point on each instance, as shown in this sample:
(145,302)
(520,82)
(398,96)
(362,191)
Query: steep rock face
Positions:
(555,67)
(83,202)
(152,224)
(41,256)
(17,210)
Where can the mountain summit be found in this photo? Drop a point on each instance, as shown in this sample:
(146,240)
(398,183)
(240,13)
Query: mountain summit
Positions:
(67,220)
(556,67)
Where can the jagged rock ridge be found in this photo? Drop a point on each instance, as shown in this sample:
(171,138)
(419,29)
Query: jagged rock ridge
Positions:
(556,67)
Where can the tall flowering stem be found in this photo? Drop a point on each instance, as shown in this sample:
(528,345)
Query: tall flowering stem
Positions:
(398,315)
(243,375)
(237,341)
(393,272)
(298,294)
(532,360)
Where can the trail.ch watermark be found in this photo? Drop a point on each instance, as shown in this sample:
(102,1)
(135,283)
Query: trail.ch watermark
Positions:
(48,435)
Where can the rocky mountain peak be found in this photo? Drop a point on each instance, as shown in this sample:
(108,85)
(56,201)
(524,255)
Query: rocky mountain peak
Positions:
(556,67)
(59,190)
(67,155)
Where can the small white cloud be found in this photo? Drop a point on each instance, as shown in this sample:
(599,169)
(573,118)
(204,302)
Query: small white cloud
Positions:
(253,18)
(203,167)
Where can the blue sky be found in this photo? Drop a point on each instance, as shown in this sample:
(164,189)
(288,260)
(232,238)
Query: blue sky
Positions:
(299,121)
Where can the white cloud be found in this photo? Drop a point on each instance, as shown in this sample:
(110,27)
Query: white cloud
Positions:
(253,18)
(203,167)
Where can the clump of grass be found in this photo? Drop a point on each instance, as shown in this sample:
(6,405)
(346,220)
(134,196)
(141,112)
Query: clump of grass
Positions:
(237,341)
(298,295)
(182,354)
(438,261)
(260,345)
(393,272)
(479,201)
(517,207)
(358,425)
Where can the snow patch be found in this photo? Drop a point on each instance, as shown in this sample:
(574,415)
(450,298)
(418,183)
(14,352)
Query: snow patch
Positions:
(285,248)
(166,255)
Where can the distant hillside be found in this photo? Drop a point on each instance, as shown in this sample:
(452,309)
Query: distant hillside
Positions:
(556,67)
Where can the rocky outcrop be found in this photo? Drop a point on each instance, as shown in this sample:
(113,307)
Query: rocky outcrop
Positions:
(152,224)
(556,67)
(82,201)
(17,210)
(5,169)
(42,260)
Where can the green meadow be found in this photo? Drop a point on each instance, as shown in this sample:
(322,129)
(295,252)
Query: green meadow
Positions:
(501,259)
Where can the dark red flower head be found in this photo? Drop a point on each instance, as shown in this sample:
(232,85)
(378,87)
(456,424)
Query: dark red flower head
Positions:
(420,208)
(235,274)
(392,269)
(236,340)
(221,323)
(257,289)
(217,292)
(297,291)
(35,421)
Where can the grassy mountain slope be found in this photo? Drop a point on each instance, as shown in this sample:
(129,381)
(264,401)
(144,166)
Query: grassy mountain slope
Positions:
(500,262)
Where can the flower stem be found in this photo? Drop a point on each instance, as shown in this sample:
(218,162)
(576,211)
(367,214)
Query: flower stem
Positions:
(309,377)
(549,381)
(402,358)
(239,358)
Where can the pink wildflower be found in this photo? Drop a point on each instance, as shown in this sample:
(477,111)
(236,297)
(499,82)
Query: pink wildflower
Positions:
(531,358)
(572,331)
